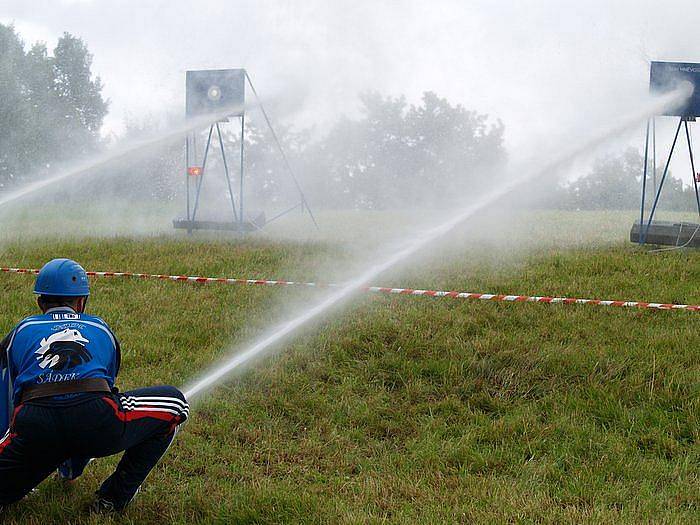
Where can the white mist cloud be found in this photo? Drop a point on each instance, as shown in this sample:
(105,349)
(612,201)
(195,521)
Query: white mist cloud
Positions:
(537,65)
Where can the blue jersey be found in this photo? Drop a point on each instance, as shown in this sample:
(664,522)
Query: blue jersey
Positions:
(57,346)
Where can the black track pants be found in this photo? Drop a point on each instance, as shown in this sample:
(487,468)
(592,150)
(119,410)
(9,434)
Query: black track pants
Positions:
(142,423)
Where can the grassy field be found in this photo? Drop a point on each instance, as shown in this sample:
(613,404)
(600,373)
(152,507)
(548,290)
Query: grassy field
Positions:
(402,410)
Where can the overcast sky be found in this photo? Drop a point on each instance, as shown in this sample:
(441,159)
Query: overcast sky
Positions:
(535,64)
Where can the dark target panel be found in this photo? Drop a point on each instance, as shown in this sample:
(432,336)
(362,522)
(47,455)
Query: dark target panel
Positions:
(666,77)
(213,91)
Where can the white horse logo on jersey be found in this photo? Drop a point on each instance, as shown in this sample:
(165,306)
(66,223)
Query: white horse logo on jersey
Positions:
(63,350)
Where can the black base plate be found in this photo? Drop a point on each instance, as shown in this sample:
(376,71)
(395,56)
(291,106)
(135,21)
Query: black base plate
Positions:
(668,233)
(245,226)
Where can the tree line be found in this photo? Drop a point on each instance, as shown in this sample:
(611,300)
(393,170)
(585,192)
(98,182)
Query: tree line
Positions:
(51,106)
(391,154)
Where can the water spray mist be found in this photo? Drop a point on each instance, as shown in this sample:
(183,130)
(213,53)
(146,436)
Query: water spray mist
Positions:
(121,153)
(407,249)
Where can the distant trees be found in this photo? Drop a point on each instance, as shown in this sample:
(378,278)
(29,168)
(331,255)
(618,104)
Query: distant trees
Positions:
(433,153)
(400,154)
(614,183)
(152,174)
(267,178)
(393,155)
(51,107)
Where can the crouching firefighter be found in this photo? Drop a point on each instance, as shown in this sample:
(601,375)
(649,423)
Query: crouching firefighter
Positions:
(59,369)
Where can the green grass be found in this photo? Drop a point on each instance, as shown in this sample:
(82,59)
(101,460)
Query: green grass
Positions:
(402,410)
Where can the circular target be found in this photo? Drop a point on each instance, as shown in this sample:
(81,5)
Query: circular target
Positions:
(214,93)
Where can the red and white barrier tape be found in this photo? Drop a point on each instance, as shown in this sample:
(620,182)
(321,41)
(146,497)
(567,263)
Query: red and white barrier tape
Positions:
(384,290)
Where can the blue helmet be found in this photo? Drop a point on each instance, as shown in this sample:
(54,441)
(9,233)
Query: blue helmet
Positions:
(62,277)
